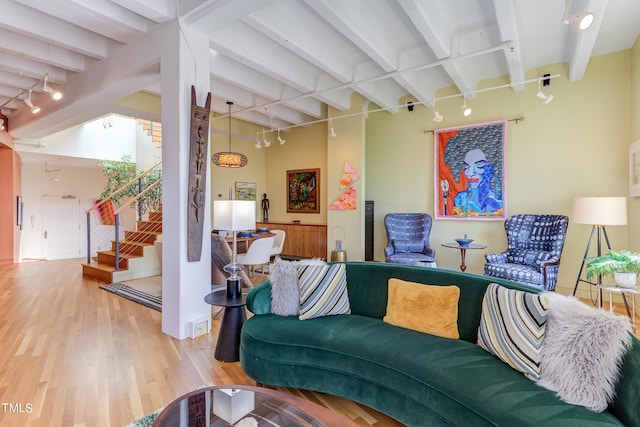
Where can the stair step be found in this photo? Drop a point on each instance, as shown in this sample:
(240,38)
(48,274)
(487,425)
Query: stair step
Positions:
(100,272)
(155,216)
(130,247)
(109,258)
(155,226)
(141,236)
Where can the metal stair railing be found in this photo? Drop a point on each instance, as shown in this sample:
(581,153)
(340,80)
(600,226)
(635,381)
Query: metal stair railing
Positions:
(95,211)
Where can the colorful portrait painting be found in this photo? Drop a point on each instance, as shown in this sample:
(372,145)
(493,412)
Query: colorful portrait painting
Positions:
(303,191)
(469,169)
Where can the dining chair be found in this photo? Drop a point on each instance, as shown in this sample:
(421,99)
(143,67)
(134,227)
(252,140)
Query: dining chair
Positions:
(258,254)
(278,242)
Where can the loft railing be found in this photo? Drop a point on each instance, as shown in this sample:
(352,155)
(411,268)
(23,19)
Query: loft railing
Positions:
(105,217)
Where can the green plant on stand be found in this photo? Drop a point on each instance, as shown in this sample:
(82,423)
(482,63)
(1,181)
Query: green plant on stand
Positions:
(623,265)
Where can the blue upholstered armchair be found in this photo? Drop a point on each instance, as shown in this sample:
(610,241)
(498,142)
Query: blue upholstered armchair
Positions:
(408,238)
(534,246)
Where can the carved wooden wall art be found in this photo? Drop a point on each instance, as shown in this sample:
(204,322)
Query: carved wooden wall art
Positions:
(199,141)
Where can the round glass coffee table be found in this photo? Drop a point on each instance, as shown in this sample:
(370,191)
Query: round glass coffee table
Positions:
(246,406)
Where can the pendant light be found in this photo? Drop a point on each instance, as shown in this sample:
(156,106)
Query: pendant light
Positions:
(229,159)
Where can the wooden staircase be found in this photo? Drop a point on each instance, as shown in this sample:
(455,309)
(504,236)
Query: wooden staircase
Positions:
(153,129)
(138,257)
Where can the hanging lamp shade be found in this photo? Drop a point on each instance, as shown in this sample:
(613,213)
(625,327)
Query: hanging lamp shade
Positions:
(229,159)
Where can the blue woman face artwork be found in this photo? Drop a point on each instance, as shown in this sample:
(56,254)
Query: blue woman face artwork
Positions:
(476,168)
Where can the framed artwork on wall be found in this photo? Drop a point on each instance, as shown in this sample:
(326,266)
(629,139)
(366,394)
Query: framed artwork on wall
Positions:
(470,179)
(303,191)
(245,191)
(634,169)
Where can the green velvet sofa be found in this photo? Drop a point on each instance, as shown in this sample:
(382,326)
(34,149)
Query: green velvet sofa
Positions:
(416,378)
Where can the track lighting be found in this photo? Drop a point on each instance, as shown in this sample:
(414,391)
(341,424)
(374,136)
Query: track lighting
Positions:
(34,108)
(56,95)
(1,124)
(258,143)
(465,109)
(545,98)
(280,140)
(437,117)
(266,143)
(581,21)
(332,132)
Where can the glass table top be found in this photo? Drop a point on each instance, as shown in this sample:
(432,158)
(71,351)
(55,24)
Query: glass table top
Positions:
(220,406)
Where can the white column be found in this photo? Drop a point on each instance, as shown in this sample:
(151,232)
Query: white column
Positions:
(184,62)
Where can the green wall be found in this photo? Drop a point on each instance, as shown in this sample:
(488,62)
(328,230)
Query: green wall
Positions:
(575,146)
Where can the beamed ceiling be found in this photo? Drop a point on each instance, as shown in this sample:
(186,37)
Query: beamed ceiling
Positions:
(282,62)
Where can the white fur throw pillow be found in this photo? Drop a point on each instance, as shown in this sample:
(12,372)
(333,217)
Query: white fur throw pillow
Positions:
(285,294)
(582,352)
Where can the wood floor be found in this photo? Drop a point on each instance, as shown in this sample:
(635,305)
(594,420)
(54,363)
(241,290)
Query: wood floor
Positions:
(72,354)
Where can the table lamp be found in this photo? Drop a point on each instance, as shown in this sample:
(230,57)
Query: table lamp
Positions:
(599,212)
(233,216)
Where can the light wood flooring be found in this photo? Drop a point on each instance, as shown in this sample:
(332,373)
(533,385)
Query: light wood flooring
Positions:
(72,354)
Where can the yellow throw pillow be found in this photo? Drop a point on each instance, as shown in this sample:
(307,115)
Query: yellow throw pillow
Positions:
(424,308)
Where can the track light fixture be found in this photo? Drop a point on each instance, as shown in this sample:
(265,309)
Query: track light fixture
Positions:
(56,95)
(266,143)
(466,111)
(545,98)
(258,143)
(581,21)
(280,140)
(332,132)
(437,117)
(34,108)
(2,124)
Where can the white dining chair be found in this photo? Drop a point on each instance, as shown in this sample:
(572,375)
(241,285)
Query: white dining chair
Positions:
(258,254)
(278,242)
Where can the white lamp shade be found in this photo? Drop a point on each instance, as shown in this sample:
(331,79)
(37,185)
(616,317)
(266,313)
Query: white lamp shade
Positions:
(234,215)
(600,210)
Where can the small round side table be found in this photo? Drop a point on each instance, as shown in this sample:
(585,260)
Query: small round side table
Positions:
(228,345)
(463,251)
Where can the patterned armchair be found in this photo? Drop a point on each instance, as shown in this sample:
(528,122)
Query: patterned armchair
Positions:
(408,238)
(534,246)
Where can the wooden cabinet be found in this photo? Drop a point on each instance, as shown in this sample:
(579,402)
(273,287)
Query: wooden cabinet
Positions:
(301,240)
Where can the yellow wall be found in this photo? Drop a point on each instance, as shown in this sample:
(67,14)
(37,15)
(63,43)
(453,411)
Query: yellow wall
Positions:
(305,148)
(242,140)
(575,146)
(634,202)
(348,144)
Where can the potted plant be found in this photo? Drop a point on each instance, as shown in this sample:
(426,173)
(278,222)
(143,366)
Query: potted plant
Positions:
(622,265)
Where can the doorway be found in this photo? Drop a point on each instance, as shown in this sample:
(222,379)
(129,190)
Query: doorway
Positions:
(60,227)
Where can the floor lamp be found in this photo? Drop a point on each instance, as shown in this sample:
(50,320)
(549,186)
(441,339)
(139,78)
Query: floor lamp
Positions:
(233,216)
(599,212)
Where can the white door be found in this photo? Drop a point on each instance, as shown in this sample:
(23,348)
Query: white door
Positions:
(61,232)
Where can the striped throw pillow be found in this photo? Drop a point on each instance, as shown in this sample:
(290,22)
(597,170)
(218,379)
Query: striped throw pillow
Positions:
(512,327)
(323,290)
